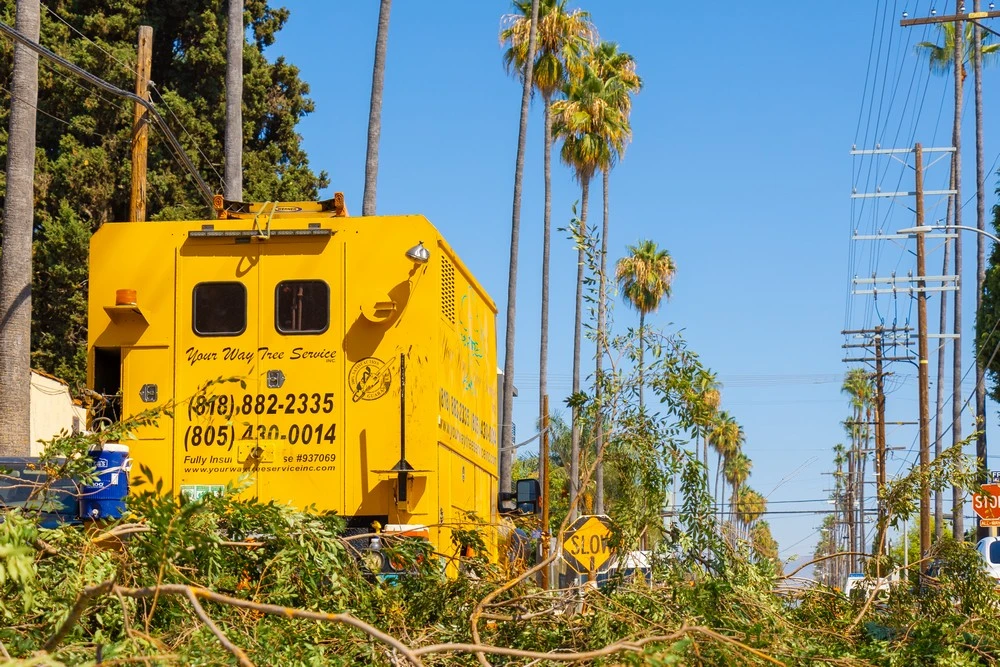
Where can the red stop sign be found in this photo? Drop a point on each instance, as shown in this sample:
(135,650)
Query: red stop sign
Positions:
(987,504)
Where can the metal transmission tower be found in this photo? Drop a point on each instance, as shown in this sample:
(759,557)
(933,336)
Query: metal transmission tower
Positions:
(918,286)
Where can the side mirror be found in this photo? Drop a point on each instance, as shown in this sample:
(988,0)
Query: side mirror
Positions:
(525,499)
(529,496)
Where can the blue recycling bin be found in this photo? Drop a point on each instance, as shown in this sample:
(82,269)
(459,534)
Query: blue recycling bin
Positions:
(105,498)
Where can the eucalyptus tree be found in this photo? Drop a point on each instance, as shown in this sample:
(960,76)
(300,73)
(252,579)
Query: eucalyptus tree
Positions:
(561,37)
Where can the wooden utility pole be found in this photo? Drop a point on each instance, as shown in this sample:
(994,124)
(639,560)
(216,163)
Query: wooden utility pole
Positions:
(140,126)
(879,410)
(544,467)
(925,443)
(879,445)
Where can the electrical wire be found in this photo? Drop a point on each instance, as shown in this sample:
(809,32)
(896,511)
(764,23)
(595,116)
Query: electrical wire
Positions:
(65,122)
(194,142)
(128,68)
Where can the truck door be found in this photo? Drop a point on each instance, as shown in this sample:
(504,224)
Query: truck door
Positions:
(218,400)
(301,371)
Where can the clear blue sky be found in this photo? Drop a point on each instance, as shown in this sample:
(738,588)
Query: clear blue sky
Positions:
(740,166)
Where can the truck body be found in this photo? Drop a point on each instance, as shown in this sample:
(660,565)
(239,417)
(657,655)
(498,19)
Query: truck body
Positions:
(278,333)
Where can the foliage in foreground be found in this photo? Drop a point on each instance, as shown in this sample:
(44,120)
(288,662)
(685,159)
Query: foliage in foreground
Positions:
(166,584)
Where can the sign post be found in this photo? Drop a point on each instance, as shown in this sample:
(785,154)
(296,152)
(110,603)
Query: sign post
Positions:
(585,547)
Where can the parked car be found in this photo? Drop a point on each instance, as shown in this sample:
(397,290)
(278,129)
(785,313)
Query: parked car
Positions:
(989,549)
(857,581)
(25,485)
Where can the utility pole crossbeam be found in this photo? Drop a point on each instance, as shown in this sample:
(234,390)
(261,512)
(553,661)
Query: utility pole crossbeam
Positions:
(948,18)
(876,338)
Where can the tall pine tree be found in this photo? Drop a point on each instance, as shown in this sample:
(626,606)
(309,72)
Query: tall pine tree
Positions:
(83,166)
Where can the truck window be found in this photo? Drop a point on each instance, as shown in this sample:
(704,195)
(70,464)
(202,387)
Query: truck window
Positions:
(220,309)
(302,306)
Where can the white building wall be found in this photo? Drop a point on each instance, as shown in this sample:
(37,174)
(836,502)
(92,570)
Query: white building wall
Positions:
(52,410)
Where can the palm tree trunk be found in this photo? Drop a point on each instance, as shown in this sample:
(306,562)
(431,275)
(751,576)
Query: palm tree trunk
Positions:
(543,353)
(375,111)
(958,526)
(715,492)
(15,260)
(862,469)
(234,102)
(941,354)
(851,491)
(704,445)
(506,420)
(601,343)
(980,247)
(574,473)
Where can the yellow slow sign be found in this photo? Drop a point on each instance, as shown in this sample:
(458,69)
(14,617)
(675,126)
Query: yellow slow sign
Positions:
(585,548)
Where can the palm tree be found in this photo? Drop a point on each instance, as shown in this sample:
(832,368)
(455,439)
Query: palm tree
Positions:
(506,420)
(703,399)
(15,260)
(726,438)
(737,469)
(977,53)
(960,47)
(750,506)
(375,110)
(561,36)
(941,56)
(617,70)
(858,385)
(581,121)
(644,277)
(235,37)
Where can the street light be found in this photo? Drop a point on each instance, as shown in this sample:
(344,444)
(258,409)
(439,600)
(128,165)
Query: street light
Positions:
(926,228)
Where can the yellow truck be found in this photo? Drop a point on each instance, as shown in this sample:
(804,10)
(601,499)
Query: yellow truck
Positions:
(365,352)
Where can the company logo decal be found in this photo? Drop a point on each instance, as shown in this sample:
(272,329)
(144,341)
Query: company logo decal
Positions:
(369,379)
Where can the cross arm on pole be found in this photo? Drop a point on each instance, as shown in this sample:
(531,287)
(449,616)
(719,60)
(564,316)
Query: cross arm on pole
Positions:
(948,18)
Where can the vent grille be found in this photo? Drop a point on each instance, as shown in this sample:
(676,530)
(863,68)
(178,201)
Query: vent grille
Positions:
(448,291)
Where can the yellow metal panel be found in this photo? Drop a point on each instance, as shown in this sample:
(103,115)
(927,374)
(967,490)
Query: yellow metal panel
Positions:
(304,431)
(220,401)
(153,444)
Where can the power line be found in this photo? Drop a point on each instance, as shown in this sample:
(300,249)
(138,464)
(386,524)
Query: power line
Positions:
(129,68)
(203,188)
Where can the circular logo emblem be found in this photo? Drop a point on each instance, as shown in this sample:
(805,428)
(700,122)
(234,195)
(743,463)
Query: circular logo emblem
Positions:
(369,379)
